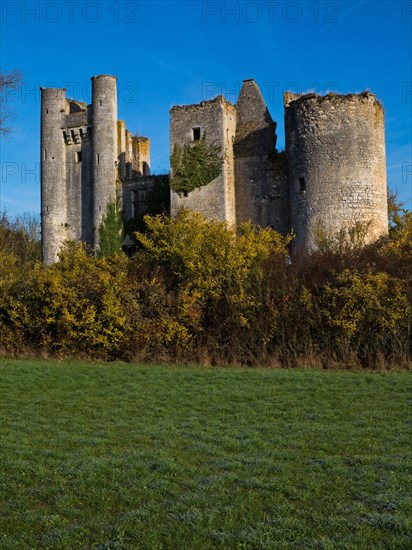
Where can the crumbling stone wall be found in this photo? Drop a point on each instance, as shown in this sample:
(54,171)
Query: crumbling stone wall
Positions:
(216,119)
(261,186)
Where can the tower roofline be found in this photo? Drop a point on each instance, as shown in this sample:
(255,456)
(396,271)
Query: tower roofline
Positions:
(104,75)
(44,88)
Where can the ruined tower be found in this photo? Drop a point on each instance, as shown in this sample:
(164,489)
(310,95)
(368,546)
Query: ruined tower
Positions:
(331,177)
(104,134)
(87,156)
(217,120)
(53,171)
(335,148)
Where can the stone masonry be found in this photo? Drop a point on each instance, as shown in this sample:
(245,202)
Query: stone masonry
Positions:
(87,158)
(331,176)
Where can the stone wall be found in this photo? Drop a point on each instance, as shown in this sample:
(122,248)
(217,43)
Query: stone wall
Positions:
(216,119)
(78,173)
(261,186)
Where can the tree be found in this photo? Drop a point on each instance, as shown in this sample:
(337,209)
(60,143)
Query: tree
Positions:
(111,233)
(195,165)
(8,82)
(20,236)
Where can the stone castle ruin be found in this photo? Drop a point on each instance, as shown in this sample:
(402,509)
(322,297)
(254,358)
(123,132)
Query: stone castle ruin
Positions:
(332,174)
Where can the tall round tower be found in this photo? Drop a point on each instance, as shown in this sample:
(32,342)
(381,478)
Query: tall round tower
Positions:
(53,172)
(335,146)
(104,136)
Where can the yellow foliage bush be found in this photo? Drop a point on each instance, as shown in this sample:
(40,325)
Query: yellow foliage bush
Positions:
(215,275)
(76,304)
(198,288)
(368,313)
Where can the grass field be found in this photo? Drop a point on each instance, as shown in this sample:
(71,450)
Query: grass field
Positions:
(121,456)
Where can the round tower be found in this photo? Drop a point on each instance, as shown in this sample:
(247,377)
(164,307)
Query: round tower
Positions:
(104,135)
(335,147)
(53,173)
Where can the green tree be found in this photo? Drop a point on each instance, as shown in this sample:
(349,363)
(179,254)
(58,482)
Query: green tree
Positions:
(195,165)
(111,232)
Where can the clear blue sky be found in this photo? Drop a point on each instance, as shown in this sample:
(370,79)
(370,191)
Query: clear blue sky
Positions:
(167,53)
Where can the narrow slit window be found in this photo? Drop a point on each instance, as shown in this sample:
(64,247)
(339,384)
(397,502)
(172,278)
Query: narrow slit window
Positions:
(45,154)
(101,102)
(196,134)
(302,185)
(98,158)
(78,156)
(47,111)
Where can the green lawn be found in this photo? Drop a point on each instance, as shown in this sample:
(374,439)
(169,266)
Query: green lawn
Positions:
(127,456)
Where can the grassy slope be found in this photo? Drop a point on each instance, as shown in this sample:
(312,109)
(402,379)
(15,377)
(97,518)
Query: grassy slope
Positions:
(120,456)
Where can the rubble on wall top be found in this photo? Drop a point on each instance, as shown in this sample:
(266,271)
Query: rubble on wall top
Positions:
(218,99)
(291,97)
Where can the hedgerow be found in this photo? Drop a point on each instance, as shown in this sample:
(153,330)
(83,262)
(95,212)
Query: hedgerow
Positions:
(201,291)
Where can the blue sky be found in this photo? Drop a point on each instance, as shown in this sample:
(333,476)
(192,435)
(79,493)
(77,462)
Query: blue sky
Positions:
(168,53)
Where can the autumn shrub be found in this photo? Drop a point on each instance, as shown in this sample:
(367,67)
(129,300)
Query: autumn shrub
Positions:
(12,310)
(366,314)
(195,165)
(19,250)
(201,291)
(75,306)
(216,276)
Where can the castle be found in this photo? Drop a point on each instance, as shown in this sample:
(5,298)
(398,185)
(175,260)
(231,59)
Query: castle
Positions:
(331,175)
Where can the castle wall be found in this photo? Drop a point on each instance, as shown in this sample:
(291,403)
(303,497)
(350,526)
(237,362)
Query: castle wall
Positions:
(336,161)
(78,173)
(261,186)
(121,148)
(273,202)
(141,155)
(216,118)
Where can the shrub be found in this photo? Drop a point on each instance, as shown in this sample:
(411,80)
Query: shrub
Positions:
(76,305)
(195,165)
